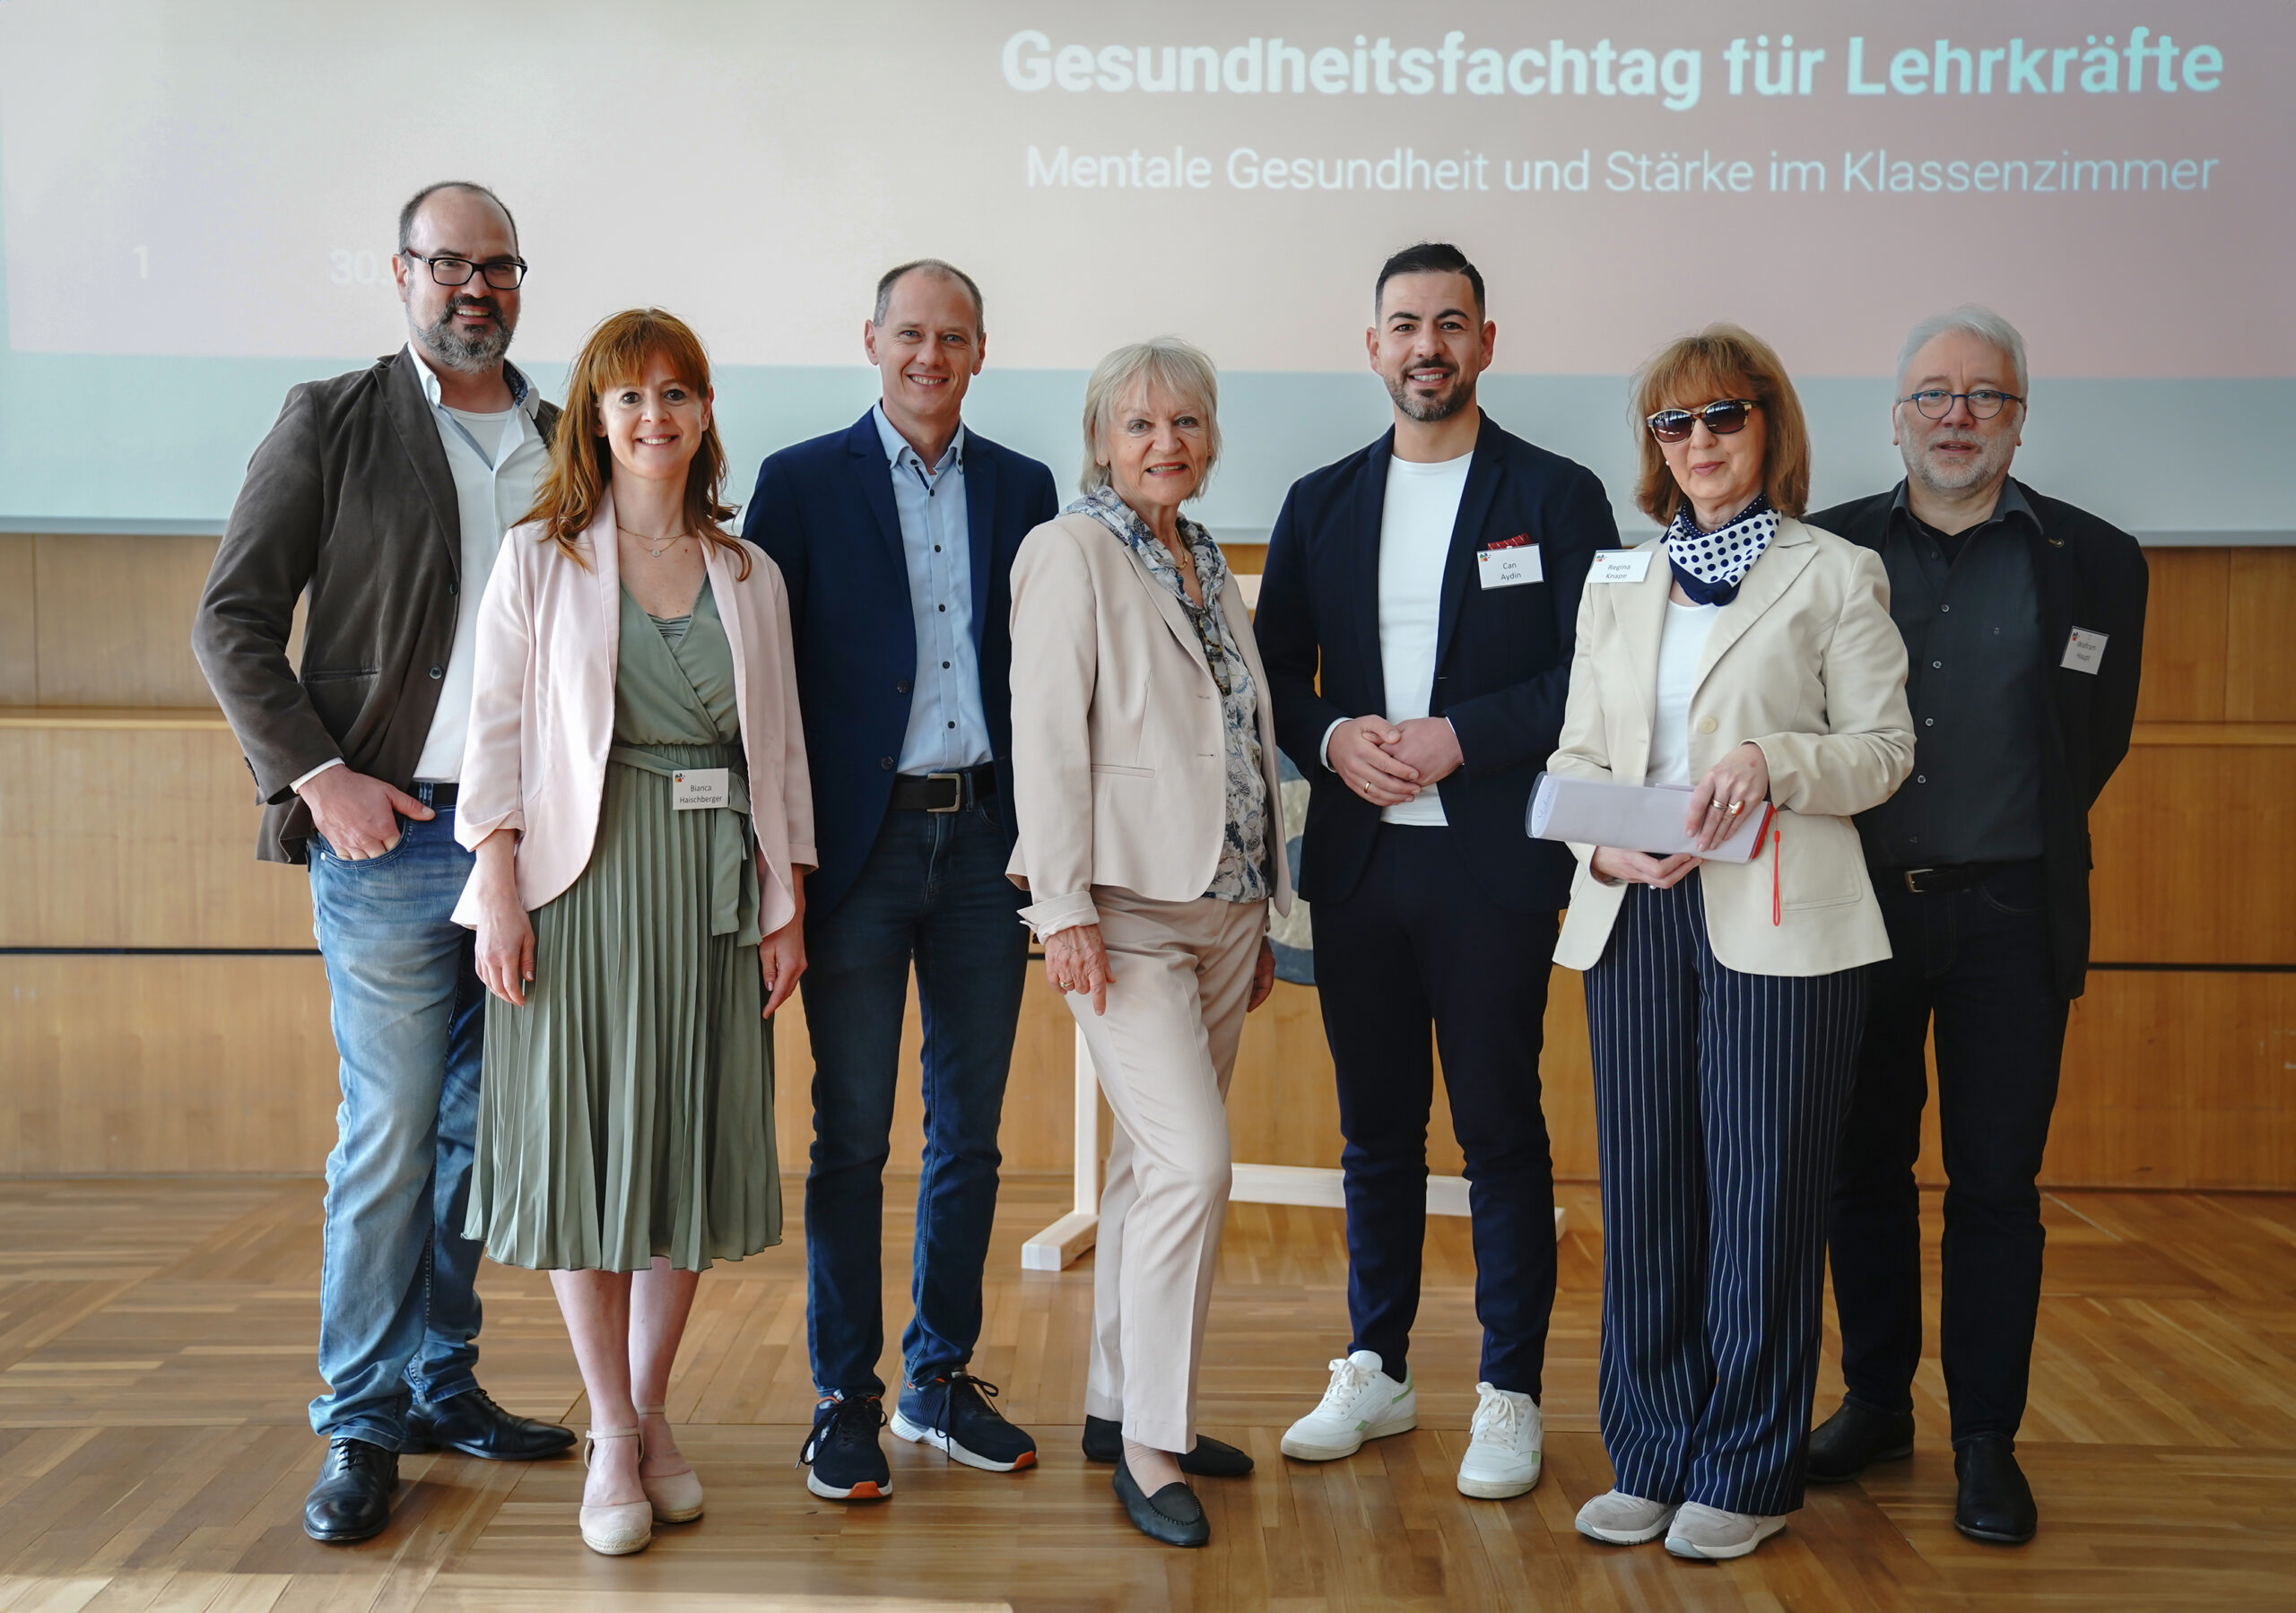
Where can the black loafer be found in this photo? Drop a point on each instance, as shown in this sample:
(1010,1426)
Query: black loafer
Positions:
(1172,1514)
(1846,1443)
(351,1501)
(1211,1458)
(1995,1504)
(472,1423)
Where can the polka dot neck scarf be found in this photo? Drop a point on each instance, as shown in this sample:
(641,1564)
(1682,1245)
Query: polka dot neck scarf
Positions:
(1710,565)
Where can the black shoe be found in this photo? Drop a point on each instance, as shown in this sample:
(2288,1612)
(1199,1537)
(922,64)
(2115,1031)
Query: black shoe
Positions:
(1843,1446)
(1211,1458)
(1995,1504)
(351,1501)
(841,1457)
(472,1423)
(1172,1514)
(952,1412)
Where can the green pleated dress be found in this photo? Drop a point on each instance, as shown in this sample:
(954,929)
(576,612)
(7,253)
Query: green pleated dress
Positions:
(627,1111)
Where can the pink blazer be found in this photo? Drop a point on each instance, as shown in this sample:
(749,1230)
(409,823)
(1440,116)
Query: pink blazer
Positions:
(542,713)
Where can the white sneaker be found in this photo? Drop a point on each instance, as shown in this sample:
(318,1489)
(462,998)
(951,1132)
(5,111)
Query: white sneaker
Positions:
(1503,1445)
(1711,1533)
(1361,1403)
(1618,1518)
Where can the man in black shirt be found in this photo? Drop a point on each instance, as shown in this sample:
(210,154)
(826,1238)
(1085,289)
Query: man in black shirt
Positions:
(2024,620)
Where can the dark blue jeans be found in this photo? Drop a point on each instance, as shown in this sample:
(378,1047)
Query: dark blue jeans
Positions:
(933,890)
(398,1311)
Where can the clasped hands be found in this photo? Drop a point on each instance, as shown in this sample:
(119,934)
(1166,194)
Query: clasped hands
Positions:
(1388,763)
(1732,787)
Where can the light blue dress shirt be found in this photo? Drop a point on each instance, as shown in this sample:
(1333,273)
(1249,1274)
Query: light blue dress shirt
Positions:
(948,728)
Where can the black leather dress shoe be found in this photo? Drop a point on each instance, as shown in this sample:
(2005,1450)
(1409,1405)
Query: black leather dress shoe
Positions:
(1995,1504)
(472,1423)
(1841,1447)
(1172,1514)
(1211,1458)
(351,1501)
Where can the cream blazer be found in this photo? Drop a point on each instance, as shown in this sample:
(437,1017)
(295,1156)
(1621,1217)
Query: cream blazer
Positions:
(542,713)
(1119,746)
(1806,664)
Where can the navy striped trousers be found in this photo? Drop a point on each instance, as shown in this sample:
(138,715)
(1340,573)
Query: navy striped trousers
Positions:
(1718,1103)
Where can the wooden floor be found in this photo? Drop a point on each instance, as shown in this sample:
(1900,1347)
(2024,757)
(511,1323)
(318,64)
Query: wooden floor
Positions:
(155,1354)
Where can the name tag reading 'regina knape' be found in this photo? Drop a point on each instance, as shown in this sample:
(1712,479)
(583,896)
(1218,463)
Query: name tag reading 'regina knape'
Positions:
(693,788)
(1509,563)
(2085,652)
(1620,566)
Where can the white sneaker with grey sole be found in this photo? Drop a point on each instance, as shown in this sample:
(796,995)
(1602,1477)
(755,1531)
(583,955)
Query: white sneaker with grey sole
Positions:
(1362,1402)
(1709,1533)
(1503,1445)
(1618,1518)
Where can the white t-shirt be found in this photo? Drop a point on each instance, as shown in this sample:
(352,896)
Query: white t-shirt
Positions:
(1681,643)
(1421,507)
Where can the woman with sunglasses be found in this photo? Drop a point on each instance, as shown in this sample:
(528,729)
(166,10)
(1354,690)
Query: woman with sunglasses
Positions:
(1750,662)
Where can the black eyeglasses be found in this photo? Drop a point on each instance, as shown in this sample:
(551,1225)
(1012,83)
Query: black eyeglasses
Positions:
(1722,419)
(1936,402)
(503,274)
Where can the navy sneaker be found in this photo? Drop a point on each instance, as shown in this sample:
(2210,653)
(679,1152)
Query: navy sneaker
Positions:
(841,1457)
(951,1410)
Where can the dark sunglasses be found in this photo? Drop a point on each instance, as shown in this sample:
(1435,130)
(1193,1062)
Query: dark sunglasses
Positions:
(1722,419)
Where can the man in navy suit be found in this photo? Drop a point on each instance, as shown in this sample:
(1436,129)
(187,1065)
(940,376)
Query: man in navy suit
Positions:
(1432,580)
(896,538)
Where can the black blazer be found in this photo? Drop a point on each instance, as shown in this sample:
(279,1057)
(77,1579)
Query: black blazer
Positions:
(349,498)
(1502,656)
(824,511)
(2089,574)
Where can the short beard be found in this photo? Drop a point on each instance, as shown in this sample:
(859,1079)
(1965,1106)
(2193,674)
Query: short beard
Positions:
(457,351)
(1443,407)
(1949,479)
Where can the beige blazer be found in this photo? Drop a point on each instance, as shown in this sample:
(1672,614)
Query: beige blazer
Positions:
(1119,748)
(542,713)
(1806,664)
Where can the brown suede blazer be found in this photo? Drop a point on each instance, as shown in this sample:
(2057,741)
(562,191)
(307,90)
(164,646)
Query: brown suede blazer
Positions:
(349,504)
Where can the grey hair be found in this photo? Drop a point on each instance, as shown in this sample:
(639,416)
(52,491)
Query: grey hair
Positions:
(414,209)
(1165,364)
(939,270)
(1971,320)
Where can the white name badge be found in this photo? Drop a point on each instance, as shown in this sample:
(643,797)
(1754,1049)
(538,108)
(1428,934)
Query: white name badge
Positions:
(693,788)
(1620,566)
(2085,652)
(1510,568)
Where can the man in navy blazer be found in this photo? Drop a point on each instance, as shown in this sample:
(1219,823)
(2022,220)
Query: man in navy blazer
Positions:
(1417,619)
(896,538)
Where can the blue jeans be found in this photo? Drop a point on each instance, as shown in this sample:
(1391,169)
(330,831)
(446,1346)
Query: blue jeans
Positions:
(934,889)
(398,1310)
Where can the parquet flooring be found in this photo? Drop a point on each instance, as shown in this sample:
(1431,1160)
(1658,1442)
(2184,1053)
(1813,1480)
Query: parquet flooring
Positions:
(156,1351)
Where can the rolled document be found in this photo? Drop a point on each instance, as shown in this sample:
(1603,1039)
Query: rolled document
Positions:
(1644,818)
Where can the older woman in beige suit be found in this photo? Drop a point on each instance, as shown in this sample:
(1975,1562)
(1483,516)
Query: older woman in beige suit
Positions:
(1145,772)
(1746,658)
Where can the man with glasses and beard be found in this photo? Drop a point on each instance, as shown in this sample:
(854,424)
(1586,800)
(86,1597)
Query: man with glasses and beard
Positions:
(2023,618)
(381,498)
(1432,579)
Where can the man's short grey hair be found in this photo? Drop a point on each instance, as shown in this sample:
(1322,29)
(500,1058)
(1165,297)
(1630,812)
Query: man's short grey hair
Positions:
(1971,320)
(414,209)
(936,267)
(1167,364)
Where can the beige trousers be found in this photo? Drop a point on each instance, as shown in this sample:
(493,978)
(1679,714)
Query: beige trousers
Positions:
(1164,1050)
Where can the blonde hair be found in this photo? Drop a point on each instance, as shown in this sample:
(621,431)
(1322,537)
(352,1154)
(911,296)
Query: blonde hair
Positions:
(1721,361)
(580,467)
(1165,364)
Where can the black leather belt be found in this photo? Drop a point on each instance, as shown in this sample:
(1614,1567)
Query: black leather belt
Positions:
(435,796)
(944,792)
(1923,882)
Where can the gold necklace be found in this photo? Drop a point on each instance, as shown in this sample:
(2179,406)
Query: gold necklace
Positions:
(645,543)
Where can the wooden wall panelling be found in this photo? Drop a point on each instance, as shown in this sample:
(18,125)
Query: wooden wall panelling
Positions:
(2260,636)
(2196,855)
(19,619)
(2185,619)
(114,836)
(115,620)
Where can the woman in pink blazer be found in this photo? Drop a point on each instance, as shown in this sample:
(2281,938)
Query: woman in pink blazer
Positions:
(634,788)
